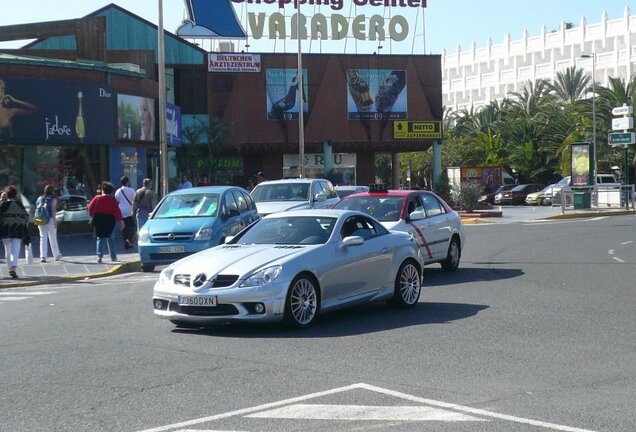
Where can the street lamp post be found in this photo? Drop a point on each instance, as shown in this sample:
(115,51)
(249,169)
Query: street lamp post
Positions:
(593,57)
(163,144)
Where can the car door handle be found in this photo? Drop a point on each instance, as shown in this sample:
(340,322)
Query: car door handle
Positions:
(385,250)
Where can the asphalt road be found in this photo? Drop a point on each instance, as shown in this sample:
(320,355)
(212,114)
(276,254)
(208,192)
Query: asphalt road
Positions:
(535,332)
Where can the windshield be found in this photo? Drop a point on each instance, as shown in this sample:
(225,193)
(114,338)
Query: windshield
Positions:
(304,230)
(281,192)
(384,209)
(190,205)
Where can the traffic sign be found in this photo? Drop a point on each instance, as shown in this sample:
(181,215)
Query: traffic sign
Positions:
(621,138)
(623,110)
(417,129)
(622,123)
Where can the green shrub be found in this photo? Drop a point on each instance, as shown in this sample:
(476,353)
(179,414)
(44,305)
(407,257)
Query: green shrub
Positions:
(469,195)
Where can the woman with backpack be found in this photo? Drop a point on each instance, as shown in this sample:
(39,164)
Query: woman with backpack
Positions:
(45,208)
(13,227)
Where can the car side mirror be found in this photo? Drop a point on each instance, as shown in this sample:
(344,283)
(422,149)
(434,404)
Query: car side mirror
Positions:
(352,241)
(228,239)
(320,197)
(417,215)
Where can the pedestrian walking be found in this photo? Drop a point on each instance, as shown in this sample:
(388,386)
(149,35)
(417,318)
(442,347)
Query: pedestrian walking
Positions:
(204,181)
(13,228)
(260,177)
(185,183)
(45,207)
(125,196)
(105,215)
(144,202)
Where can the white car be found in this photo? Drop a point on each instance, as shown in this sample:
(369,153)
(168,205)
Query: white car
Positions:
(435,226)
(293,194)
(293,266)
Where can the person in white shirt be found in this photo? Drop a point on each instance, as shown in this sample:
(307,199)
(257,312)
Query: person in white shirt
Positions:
(125,196)
(185,183)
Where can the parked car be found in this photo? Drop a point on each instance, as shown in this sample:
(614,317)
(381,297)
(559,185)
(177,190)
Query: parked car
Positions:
(517,195)
(294,266)
(542,197)
(490,197)
(435,226)
(191,220)
(346,190)
(293,194)
(72,208)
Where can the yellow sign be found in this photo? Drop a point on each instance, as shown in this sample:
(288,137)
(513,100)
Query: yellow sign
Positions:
(417,130)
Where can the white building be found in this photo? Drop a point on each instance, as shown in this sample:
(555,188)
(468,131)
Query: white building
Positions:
(480,75)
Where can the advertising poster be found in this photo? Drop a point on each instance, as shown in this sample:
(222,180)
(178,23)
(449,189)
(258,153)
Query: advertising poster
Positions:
(135,118)
(376,94)
(130,162)
(173,125)
(195,128)
(282,94)
(580,164)
(48,112)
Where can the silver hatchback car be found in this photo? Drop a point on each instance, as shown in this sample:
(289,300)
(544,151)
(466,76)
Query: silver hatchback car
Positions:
(293,194)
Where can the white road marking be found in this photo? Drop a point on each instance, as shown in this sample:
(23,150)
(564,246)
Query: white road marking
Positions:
(366,413)
(11,299)
(451,406)
(245,411)
(611,251)
(471,410)
(626,243)
(28,293)
(205,430)
(618,259)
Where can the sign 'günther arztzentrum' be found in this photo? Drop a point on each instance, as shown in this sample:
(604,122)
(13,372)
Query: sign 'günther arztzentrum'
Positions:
(417,130)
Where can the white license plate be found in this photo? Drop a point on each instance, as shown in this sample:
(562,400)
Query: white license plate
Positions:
(172,249)
(196,301)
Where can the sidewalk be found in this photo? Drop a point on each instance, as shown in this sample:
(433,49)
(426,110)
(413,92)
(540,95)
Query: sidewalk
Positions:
(79,261)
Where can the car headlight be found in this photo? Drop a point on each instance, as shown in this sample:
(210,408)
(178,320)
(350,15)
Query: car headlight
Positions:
(498,196)
(204,234)
(144,236)
(263,277)
(166,275)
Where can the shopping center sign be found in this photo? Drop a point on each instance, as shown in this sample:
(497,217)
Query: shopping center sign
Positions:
(203,22)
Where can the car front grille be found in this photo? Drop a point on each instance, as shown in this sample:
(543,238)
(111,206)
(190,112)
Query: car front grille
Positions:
(168,237)
(168,256)
(220,310)
(221,281)
(224,281)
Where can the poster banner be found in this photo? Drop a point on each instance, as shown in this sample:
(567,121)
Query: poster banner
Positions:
(173,125)
(49,112)
(130,162)
(282,93)
(376,94)
(195,128)
(234,62)
(580,164)
(135,118)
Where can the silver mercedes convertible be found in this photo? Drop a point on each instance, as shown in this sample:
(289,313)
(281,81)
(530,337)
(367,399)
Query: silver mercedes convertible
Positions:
(292,266)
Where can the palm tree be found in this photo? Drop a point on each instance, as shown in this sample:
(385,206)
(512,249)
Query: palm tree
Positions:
(570,85)
(531,98)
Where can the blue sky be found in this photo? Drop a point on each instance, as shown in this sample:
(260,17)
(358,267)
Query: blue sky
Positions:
(448,22)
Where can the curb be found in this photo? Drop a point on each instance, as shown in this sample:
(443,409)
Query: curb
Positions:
(591,214)
(127,267)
